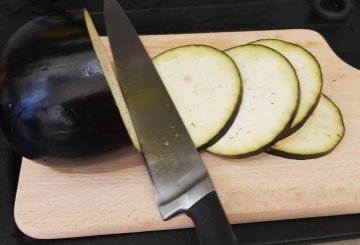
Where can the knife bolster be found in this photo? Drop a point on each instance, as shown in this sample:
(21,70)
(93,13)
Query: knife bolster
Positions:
(186,200)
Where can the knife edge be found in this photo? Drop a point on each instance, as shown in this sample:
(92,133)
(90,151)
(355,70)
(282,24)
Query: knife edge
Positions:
(185,200)
(173,162)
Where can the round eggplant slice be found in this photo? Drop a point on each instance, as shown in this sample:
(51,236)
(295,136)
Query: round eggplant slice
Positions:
(309,74)
(205,86)
(55,103)
(270,100)
(320,134)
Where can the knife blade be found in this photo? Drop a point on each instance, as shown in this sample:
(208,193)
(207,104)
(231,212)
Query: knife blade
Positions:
(180,179)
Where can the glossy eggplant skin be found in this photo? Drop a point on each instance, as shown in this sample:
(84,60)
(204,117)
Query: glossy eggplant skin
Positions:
(55,105)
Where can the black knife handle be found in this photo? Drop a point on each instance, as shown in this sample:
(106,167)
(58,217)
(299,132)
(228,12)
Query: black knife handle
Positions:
(211,223)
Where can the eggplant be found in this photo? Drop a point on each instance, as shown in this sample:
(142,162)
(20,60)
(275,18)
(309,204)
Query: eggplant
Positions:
(60,102)
(55,104)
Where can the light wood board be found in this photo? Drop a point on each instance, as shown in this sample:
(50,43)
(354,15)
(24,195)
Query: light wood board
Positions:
(117,197)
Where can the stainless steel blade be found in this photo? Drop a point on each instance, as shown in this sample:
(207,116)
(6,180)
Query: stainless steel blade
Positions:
(178,173)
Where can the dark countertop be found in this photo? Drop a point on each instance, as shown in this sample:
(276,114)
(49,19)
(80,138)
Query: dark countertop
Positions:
(155,17)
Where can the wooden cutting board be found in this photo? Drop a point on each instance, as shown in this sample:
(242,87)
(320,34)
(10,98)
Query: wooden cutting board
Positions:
(117,197)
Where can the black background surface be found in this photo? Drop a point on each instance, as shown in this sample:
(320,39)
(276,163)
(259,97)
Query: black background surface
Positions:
(159,17)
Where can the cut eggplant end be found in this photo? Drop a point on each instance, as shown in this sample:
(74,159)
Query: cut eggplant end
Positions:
(270,100)
(111,78)
(321,133)
(205,86)
(55,105)
(309,74)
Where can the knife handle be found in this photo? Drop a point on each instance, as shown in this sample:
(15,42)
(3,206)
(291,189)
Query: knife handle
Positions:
(211,223)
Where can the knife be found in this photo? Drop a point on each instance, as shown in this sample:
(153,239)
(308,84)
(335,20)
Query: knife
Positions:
(180,179)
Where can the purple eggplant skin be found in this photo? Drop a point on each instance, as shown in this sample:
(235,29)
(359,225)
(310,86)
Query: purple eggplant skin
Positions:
(55,105)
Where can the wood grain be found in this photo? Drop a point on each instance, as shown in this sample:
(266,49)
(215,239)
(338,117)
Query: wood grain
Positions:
(117,197)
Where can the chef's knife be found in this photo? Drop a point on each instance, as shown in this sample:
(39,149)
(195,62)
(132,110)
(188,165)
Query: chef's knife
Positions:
(179,176)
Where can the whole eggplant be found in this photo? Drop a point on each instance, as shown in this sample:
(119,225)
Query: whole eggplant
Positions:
(55,104)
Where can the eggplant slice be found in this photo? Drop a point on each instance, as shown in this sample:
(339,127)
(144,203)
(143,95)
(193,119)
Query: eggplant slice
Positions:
(111,77)
(320,134)
(270,100)
(309,74)
(205,86)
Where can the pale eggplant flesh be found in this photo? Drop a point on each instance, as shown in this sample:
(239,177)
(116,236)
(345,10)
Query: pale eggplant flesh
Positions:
(55,104)
(269,103)
(309,75)
(319,136)
(211,89)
